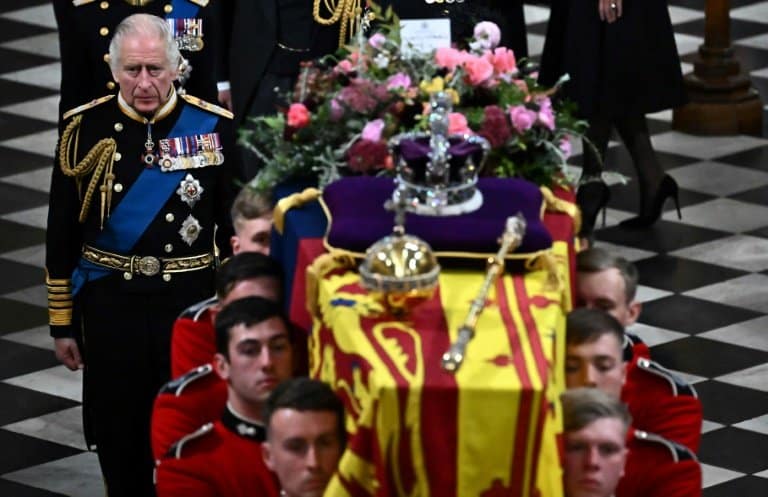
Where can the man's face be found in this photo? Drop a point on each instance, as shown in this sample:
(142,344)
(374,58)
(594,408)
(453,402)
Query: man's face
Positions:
(145,74)
(303,448)
(605,290)
(594,458)
(596,364)
(252,235)
(260,357)
(266,287)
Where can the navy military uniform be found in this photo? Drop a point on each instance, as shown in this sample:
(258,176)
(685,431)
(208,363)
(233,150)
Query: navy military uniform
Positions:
(86,28)
(221,459)
(134,205)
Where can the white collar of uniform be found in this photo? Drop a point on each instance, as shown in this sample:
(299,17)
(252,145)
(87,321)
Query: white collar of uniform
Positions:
(163,111)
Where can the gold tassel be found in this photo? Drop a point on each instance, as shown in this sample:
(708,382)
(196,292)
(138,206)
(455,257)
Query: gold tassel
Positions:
(555,204)
(287,203)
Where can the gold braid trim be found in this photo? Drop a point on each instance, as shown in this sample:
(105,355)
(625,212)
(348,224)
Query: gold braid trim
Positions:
(98,158)
(292,201)
(555,204)
(345,12)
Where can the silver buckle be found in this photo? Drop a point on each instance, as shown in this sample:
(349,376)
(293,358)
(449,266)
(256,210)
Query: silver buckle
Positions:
(149,266)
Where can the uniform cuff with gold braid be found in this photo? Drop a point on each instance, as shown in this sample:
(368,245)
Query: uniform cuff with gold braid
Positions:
(59,301)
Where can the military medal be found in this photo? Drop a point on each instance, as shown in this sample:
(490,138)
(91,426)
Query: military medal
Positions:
(190,190)
(190,230)
(190,152)
(148,157)
(187,33)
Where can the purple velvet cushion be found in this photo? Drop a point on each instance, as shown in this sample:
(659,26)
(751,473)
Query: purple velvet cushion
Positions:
(358,217)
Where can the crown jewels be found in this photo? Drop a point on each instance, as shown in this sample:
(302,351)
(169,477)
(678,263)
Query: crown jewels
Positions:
(437,172)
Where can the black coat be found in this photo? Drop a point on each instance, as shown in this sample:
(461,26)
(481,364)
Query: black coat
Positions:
(629,67)
(253,43)
(86,29)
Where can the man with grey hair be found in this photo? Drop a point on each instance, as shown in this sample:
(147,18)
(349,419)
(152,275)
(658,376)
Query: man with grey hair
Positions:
(142,182)
(85,28)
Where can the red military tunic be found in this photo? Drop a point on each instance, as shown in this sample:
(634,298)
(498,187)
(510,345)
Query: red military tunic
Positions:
(185,404)
(221,459)
(657,467)
(663,403)
(193,341)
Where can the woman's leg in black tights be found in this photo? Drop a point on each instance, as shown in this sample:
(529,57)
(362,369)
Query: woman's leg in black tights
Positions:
(593,194)
(594,154)
(634,133)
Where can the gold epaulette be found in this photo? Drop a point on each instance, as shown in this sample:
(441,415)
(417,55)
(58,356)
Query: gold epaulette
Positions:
(92,103)
(59,300)
(197,102)
(201,3)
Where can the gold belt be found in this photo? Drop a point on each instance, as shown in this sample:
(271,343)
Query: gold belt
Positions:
(147,265)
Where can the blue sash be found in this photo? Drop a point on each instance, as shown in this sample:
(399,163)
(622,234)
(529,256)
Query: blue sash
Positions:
(143,201)
(183,9)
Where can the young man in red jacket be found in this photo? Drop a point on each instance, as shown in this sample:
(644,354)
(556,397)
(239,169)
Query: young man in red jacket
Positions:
(224,458)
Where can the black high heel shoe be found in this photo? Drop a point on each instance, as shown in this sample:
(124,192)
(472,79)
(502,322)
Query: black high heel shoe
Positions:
(667,188)
(592,197)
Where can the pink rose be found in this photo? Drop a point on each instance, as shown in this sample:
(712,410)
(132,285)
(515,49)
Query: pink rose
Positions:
(503,60)
(487,35)
(478,69)
(372,130)
(522,118)
(377,40)
(565,146)
(344,67)
(298,116)
(449,58)
(457,124)
(399,80)
(546,114)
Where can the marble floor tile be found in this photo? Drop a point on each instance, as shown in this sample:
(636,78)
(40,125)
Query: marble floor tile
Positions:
(728,404)
(748,253)
(713,475)
(760,73)
(750,455)
(39,337)
(758,424)
(37,179)
(762,474)
(34,256)
(679,15)
(662,115)
(717,178)
(687,44)
(629,253)
(708,147)
(63,427)
(722,214)
(35,295)
(41,143)
(758,41)
(58,381)
(77,475)
(47,76)
(653,336)
(647,293)
(44,44)
(690,378)
(757,12)
(708,426)
(535,44)
(752,334)
(755,377)
(37,217)
(44,109)
(535,13)
(748,292)
(41,15)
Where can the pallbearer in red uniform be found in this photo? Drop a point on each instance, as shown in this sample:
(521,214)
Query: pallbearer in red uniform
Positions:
(244,275)
(223,458)
(142,182)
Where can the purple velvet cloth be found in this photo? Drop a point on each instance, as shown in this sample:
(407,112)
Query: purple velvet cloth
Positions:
(358,217)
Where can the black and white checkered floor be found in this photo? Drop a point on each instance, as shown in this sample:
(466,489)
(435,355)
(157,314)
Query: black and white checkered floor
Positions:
(704,279)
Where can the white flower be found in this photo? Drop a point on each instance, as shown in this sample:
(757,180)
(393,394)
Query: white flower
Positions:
(487,35)
(381,60)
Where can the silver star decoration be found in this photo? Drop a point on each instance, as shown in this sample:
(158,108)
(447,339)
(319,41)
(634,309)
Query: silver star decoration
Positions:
(190,230)
(190,190)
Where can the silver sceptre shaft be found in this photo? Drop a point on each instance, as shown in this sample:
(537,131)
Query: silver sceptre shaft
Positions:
(510,240)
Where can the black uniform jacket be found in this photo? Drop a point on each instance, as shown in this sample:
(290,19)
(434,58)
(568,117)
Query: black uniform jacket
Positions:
(194,200)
